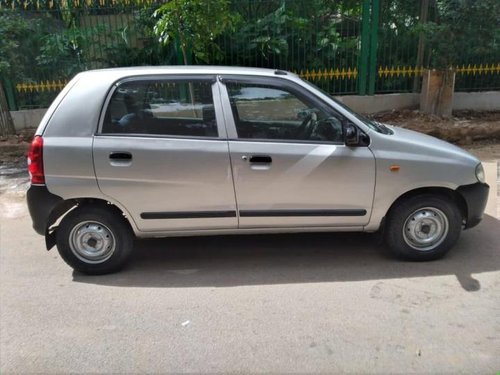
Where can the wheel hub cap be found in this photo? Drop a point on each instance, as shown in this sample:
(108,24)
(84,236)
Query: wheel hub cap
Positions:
(92,242)
(425,228)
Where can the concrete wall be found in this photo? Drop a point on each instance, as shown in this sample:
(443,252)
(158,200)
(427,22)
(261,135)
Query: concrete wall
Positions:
(27,118)
(380,103)
(478,101)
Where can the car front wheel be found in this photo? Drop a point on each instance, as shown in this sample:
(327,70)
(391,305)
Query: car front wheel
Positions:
(94,240)
(423,227)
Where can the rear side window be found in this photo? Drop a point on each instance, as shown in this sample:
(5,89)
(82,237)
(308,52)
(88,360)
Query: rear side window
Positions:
(169,108)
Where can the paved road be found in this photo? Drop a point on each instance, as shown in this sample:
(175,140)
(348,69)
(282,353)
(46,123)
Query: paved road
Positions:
(296,303)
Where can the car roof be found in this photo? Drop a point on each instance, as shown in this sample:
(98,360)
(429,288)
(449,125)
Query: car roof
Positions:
(117,73)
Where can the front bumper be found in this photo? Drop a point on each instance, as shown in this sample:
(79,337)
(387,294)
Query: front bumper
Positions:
(476,197)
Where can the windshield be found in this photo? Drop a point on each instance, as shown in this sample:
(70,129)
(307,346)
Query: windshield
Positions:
(372,124)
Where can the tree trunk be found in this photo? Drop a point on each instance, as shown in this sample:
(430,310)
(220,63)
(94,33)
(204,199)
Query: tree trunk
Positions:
(424,11)
(436,97)
(6,123)
(182,46)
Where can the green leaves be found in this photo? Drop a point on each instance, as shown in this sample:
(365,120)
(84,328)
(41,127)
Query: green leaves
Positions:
(461,29)
(195,24)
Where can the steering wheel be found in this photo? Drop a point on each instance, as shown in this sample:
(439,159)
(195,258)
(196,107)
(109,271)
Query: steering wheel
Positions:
(306,127)
(310,126)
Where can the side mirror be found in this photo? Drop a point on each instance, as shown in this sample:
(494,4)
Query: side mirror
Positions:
(351,135)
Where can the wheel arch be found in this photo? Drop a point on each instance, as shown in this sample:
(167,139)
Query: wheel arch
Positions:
(451,194)
(66,206)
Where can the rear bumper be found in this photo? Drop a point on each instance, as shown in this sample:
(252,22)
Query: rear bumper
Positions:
(476,197)
(41,203)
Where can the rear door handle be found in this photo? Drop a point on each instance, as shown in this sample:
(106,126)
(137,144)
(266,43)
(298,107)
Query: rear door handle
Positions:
(261,159)
(120,156)
(120,159)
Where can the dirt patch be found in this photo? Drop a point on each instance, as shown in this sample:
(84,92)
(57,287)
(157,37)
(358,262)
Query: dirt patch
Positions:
(15,146)
(464,128)
(487,150)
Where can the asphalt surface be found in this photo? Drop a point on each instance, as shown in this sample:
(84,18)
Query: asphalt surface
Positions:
(274,303)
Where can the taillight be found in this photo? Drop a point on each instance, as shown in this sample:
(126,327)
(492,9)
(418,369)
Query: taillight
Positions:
(35,161)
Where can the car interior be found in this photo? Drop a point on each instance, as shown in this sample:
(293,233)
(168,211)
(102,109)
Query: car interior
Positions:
(146,111)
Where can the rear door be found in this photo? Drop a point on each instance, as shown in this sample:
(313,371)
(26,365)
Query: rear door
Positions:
(161,152)
(290,164)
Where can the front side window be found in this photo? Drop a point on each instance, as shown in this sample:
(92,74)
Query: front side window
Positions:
(268,112)
(170,108)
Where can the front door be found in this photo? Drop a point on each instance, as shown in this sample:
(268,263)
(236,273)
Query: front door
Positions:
(162,153)
(290,164)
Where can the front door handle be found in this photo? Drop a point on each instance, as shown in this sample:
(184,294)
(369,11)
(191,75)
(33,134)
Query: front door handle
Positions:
(261,159)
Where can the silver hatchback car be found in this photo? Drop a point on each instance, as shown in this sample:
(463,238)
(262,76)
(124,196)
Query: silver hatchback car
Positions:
(186,150)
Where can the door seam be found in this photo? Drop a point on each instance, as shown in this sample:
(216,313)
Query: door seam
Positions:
(224,115)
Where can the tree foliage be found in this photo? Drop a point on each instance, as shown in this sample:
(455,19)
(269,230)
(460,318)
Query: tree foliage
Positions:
(41,42)
(20,42)
(461,29)
(195,24)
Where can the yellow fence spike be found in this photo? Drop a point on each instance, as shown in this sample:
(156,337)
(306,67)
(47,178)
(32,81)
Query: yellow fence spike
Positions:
(308,74)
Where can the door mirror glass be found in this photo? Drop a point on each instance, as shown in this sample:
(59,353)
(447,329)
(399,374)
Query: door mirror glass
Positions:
(351,135)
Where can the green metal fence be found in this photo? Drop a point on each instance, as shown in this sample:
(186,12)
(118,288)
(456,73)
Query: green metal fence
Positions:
(345,46)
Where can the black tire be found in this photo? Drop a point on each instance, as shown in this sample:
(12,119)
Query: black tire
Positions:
(95,228)
(413,215)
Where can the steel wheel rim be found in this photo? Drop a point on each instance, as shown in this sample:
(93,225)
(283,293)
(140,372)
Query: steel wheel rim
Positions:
(92,242)
(425,229)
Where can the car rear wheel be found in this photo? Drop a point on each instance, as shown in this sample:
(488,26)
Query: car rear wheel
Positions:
(423,227)
(94,240)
